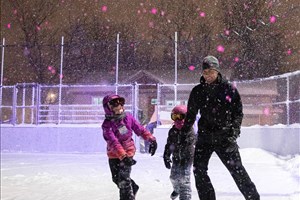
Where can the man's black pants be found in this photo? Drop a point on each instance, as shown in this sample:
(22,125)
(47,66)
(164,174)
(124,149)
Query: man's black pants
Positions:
(232,161)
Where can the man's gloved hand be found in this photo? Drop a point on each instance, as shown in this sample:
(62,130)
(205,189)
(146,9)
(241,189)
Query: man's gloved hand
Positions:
(129,161)
(167,163)
(235,133)
(232,147)
(232,139)
(152,147)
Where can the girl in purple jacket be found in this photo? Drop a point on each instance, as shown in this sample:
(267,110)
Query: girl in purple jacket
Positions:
(118,128)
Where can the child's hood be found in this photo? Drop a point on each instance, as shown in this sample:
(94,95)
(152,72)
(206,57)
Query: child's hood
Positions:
(107,99)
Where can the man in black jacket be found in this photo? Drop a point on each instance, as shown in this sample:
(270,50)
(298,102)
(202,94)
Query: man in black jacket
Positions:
(220,107)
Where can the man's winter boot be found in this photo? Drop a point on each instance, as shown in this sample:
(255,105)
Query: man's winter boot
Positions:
(135,189)
(174,195)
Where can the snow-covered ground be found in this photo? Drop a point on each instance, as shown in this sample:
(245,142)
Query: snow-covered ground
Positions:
(35,176)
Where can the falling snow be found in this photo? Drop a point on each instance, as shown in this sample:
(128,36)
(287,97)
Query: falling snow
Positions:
(249,44)
(225,32)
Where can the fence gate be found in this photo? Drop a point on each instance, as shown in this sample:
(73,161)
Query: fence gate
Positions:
(24,103)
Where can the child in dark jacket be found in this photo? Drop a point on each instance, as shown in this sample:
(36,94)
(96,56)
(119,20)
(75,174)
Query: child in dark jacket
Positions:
(118,128)
(181,146)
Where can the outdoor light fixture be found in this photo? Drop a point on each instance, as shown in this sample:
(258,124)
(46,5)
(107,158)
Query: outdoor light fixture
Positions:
(51,97)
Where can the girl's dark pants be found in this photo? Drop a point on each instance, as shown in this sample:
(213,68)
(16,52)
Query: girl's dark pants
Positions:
(121,177)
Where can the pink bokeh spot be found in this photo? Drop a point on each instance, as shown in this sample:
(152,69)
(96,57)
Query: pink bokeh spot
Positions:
(38,28)
(273,19)
(236,59)
(228,98)
(192,68)
(61,76)
(220,48)
(15,11)
(154,11)
(202,14)
(266,111)
(104,8)
(9,25)
(289,51)
(227,32)
(53,71)
(50,68)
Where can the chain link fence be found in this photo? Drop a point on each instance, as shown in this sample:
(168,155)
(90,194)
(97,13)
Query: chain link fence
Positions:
(268,101)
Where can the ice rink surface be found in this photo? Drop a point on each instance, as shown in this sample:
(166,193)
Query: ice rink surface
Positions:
(46,176)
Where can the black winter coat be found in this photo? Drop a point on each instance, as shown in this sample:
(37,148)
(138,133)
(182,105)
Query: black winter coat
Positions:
(219,105)
(181,146)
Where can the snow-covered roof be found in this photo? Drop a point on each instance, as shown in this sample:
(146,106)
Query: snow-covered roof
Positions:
(143,77)
(152,76)
(267,88)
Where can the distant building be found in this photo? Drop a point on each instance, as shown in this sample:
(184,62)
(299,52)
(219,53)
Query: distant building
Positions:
(252,95)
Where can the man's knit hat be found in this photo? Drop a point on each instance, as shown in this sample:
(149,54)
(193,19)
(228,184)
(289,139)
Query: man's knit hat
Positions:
(210,62)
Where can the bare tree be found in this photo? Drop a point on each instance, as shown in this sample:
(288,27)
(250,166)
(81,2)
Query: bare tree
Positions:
(90,49)
(39,49)
(194,35)
(256,42)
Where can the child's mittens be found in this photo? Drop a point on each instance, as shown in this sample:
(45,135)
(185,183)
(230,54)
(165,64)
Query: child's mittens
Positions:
(152,147)
(129,161)
(167,163)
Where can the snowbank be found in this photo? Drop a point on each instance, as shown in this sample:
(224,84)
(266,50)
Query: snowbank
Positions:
(37,176)
(280,139)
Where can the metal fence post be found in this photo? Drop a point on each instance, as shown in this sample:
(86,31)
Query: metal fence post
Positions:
(32,103)
(135,111)
(135,100)
(23,103)
(117,62)
(158,101)
(1,83)
(60,78)
(38,101)
(175,94)
(175,57)
(287,100)
(14,106)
